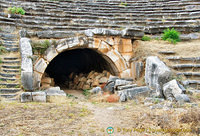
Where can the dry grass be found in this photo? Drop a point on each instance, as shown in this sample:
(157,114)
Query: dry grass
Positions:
(75,117)
(183,49)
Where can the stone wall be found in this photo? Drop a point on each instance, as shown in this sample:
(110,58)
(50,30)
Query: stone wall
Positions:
(117,52)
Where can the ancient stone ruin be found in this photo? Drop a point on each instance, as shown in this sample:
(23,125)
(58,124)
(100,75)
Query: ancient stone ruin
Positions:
(83,44)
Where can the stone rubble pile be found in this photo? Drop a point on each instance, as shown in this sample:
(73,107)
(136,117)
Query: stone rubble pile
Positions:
(47,82)
(88,81)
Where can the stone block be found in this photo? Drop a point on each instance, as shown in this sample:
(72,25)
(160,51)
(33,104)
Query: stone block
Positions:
(39,96)
(125,46)
(104,47)
(40,65)
(121,65)
(103,80)
(156,74)
(172,88)
(127,56)
(36,80)
(26,64)
(26,97)
(46,80)
(55,95)
(137,91)
(182,97)
(137,69)
(125,73)
(51,53)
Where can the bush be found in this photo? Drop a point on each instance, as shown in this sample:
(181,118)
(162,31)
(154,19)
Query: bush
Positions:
(123,4)
(15,10)
(146,38)
(2,49)
(171,35)
(40,47)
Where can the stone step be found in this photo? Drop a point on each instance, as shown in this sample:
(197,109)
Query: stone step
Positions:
(167,52)
(11,66)
(8,95)
(195,84)
(182,66)
(14,49)
(8,79)
(189,73)
(11,58)
(11,70)
(187,82)
(184,58)
(9,90)
(9,85)
(8,75)
(11,61)
(126,87)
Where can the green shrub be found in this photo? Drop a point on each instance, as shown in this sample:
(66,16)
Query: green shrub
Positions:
(123,4)
(171,35)
(2,49)
(15,10)
(146,38)
(20,11)
(41,47)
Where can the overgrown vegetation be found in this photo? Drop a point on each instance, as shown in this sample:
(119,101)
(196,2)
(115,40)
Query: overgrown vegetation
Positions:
(146,38)
(16,10)
(123,4)
(40,47)
(171,35)
(86,93)
(2,49)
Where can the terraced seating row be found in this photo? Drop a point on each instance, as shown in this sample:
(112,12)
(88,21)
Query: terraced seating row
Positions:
(188,67)
(82,15)
(10,65)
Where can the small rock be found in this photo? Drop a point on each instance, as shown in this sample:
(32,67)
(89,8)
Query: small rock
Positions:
(182,97)
(113,98)
(115,108)
(103,80)
(95,90)
(122,97)
(109,86)
(171,88)
(39,96)
(26,97)
(153,100)
(157,106)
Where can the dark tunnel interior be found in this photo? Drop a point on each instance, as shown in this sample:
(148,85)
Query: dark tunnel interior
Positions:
(76,61)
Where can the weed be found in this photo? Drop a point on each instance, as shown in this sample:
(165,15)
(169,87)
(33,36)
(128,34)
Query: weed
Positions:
(25,106)
(2,106)
(86,93)
(157,38)
(15,10)
(41,47)
(84,112)
(1,29)
(1,61)
(171,36)
(123,4)
(3,86)
(146,38)
(17,86)
(2,49)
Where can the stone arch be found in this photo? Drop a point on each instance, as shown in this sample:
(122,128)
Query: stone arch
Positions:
(108,52)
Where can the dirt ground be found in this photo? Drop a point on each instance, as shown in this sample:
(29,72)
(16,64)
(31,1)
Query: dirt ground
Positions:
(79,116)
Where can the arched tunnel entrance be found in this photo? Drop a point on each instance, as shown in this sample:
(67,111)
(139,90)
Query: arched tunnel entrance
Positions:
(68,64)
